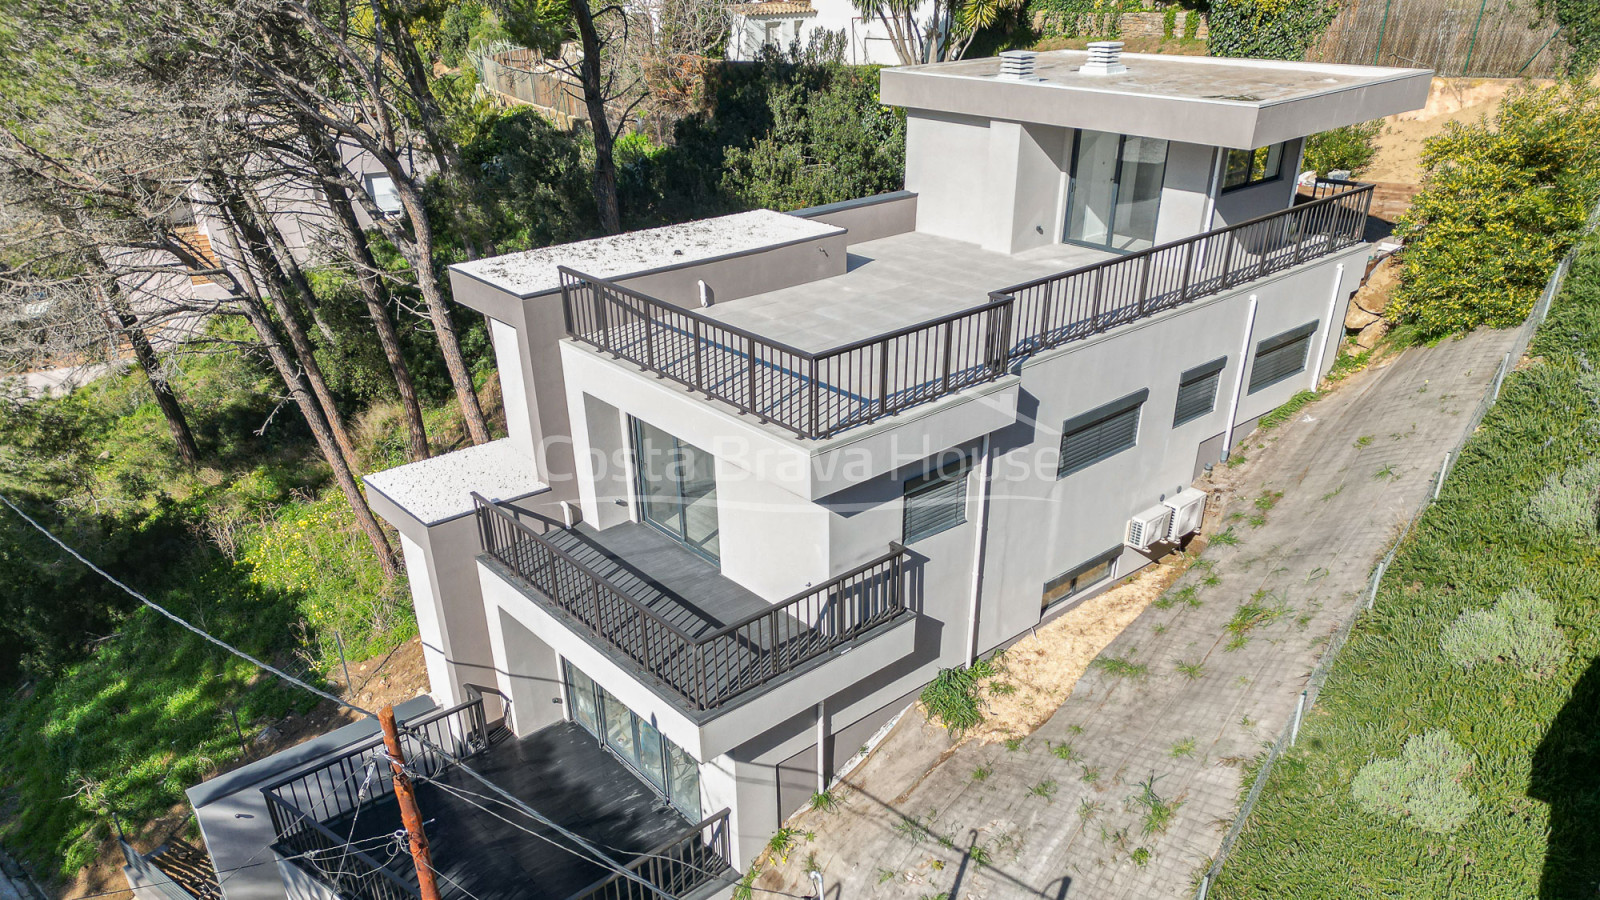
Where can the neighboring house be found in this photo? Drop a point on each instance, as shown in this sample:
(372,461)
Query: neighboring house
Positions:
(778,24)
(767,474)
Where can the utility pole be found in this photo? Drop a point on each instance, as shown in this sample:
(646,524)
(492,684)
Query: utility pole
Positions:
(409,815)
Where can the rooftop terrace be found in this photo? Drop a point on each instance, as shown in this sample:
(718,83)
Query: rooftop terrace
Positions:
(1242,103)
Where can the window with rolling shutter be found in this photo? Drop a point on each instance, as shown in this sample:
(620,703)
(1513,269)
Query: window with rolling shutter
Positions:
(1197,391)
(1281,356)
(936,501)
(1100,433)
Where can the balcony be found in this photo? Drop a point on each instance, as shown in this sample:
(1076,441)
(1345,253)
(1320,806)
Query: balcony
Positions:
(627,589)
(335,821)
(751,355)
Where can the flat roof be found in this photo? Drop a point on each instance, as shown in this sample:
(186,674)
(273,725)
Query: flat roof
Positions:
(534,272)
(441,488)
(1218,101)
(891,283)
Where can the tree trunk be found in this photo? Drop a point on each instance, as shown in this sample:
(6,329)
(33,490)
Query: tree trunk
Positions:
(251,241)
(421,259)
(120,319)
(306,400)
(287,263)
(593,79)
(373,290)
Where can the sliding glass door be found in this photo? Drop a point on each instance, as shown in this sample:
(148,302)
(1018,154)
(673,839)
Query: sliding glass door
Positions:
(677,486)
(1115,192)
(664,765)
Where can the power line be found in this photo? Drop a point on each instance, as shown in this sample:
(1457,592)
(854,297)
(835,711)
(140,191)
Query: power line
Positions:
(178,619)
(602,859)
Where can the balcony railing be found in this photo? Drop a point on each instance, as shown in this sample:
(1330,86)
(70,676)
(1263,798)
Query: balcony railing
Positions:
(675,868)
(819,394)
(1058,309)
(299,804)
(811,394)
(707,671)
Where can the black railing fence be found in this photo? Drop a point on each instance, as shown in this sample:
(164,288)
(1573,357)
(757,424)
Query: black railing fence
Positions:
(711,669)
(299,804)
(676,867)
(1062,308)
(813,394)
(819,394)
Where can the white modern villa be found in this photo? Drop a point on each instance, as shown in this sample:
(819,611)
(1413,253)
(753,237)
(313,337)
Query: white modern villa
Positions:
(767,474)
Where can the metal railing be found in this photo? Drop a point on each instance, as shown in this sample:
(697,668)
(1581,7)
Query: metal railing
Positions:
(676,867)
(709,670)
(813,394)
(150,875)
(818,394)
(300,804)
(1058,309)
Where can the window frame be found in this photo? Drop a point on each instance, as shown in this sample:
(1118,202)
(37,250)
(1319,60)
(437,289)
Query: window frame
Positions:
(1100,414)
(668,785)
(1108,558)
(941,475)
(1213,370)
(1252,178)
(1278,342)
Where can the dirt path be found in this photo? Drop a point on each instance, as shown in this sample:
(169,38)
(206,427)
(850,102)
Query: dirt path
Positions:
(1126,790)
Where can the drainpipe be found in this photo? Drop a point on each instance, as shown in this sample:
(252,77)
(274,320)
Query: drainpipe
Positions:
(822,746)
(979,545)
(1238,380)
(1327,330)
(1214,187)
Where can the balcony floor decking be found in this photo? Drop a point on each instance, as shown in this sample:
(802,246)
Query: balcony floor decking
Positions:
(561,771)
(892,283)
(660,573)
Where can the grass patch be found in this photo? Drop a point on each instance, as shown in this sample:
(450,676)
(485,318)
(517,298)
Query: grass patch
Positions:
(1046,789)
(952,697)
(1190,670)
(1064,751)
(1252,614)
(1287,411)
(982,773)
(1525,721)
(1225,538)
(1122,667)
(1183,749)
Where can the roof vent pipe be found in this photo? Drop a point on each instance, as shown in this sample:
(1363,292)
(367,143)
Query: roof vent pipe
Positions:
(1105,58)
(1017,65)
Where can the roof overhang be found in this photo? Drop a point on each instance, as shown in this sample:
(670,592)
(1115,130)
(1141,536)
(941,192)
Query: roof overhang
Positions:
(1239,103)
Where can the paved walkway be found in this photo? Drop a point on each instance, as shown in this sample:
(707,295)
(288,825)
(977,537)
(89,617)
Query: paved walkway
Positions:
(1351,468)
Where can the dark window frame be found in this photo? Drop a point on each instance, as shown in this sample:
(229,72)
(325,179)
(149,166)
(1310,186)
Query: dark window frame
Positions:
(1278,343)
(1255,175)
(1068,579)
(944,475)
(1098,416)
(1189,377)
(597,730)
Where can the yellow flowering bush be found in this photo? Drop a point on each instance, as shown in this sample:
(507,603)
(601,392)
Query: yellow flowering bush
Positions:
(1501,202)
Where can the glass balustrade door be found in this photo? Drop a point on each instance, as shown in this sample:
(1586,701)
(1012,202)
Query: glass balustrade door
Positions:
(677,487)
(1115,191)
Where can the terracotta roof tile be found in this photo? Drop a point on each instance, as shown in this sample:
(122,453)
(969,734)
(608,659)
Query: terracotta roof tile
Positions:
(774,8)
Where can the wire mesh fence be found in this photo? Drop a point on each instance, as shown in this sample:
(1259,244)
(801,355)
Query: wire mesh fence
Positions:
(1319,675)
(1481,38)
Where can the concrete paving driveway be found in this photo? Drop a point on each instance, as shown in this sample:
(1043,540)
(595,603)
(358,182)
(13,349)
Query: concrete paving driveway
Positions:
(1127,790)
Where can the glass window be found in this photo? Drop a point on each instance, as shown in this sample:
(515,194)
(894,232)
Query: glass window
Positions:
(936,501)
(1100,434)
(677,485)
(658,761)
(1077,580)
(1197,391)
(1116,190)
(1281,356)
(1248,167)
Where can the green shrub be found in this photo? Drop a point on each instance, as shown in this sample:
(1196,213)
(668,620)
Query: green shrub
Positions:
(1500,204)
(1267,29)
(952,696)
(1351,147)
(1098,19)
(1520,630)
(1570,500)
(1421,787)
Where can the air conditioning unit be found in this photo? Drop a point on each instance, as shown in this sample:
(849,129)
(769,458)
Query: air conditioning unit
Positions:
(1188,509)
(1148,527)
